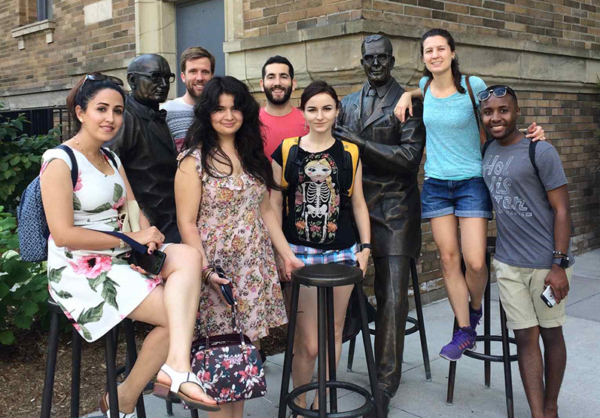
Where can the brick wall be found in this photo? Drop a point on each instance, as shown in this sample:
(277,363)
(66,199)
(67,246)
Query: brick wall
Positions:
(564,23)
(46,67)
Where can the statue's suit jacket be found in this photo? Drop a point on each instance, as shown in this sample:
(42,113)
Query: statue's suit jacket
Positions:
(390,158)
(149,156)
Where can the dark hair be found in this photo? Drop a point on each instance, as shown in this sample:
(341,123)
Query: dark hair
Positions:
(85,90)
(456,74)
(318,87)
(248,139)
(194,53)
(278,59)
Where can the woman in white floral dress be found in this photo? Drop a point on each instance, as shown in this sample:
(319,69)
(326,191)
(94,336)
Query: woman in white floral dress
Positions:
(223,210)
(88,274)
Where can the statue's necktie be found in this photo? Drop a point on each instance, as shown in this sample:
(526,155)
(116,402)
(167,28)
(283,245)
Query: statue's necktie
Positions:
(369,104)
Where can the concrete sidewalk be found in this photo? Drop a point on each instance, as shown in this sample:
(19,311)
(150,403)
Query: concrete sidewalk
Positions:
(580,395)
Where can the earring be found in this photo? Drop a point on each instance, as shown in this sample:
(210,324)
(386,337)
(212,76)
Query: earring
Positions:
(305,126)
(335,124)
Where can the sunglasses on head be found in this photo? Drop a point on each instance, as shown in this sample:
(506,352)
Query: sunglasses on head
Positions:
(498,91)
(103,77)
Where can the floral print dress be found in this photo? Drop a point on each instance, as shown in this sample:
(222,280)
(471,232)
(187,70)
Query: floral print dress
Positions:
(95,289)
(234,236)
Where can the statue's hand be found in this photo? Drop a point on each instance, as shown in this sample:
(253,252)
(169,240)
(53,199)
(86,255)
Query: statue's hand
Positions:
(346,134)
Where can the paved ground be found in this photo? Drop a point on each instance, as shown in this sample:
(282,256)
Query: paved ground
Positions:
(580,396)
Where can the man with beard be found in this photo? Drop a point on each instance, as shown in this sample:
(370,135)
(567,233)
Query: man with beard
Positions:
(281,120)
(197,68)
(391,152)
(144,143)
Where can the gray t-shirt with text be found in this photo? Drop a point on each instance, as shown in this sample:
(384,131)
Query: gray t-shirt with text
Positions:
(524,217)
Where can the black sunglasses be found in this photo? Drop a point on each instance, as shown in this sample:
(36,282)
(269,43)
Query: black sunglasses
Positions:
(382,58)
(156,77)
(102,77)
(498,91)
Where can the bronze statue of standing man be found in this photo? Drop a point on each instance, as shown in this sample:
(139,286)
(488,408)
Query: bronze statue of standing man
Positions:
(144,143)
(391,152)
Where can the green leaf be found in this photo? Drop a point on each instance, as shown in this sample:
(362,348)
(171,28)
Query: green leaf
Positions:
(29,308)
(116,261)
(17,124)
(4,290)
(94,283)
(100,208)
(69,254)
(76,202)
(63,294)
(118,192)
(55,275)
(91,315)
(15,160)
(109,292)
(86,333)
(23,322)
(7,337)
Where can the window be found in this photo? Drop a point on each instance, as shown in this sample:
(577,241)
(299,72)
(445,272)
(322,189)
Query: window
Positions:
(44,9)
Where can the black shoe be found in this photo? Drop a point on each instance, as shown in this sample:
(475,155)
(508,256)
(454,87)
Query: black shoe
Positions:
(263,356)
(385,405)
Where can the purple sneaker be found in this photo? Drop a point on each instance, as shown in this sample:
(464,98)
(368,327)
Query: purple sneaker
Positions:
(463,339)
(475,316)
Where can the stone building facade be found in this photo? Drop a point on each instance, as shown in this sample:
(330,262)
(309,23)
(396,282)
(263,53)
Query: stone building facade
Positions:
(548,50)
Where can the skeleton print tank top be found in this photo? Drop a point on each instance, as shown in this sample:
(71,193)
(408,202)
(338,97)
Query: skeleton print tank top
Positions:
(318,213)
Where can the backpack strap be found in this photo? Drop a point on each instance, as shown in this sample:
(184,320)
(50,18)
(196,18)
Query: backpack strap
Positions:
(532,146)
(111,156)
(427,84)
(486,146)
(74,165)
(289,149)
(351,151)
(482,133)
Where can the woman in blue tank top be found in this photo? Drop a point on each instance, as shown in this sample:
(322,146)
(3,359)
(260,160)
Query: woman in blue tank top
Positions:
(454,193)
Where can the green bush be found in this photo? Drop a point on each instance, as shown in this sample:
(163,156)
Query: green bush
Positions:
(23,285)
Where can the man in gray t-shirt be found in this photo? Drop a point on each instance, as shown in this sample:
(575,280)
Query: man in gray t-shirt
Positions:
(532,248)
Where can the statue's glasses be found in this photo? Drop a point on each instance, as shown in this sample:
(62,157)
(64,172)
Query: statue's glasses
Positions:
(498,91)
(382,58)
(156,77)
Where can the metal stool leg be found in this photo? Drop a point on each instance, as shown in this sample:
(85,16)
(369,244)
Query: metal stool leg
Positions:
(487,321)
(131,359)
(75,373)
(451,374)
(194,413)
(111,374)
(331,349)
(169,406)
(369,350)
(322,333)
(510,404)
(50,367)
(420,320)
(289,351)
(351,354)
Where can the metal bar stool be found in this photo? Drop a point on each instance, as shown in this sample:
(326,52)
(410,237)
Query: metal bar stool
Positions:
(111,370)
(325,277)
(418,325)
(506,358)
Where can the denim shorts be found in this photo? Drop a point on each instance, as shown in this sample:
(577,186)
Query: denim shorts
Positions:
(464,198)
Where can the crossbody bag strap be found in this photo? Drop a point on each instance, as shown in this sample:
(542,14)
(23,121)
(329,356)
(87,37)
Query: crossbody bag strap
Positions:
(427,84)
(140,248)
(74,165)
(482,133)
(110,155)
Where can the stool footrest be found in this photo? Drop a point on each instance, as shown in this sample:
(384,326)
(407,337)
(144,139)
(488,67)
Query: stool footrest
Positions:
(354,413)
(490,357)
(412,329)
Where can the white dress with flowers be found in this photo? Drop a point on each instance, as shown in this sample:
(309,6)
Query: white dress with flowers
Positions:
(95,289)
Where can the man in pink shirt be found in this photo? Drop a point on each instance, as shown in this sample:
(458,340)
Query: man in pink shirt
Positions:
(281,120)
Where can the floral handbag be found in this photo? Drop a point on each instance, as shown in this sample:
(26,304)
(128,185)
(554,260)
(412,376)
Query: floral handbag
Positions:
(229,366)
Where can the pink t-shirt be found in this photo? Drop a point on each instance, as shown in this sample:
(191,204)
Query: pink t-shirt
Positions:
(278,128)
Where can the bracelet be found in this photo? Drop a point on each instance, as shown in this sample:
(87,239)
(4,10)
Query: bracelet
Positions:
(122,243)
(207,272)
(558,254)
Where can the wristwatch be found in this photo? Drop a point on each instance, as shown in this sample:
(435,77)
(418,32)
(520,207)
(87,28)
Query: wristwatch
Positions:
(562,262)
(362,246)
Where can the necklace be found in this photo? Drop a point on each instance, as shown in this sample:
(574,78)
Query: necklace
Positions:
(93,159)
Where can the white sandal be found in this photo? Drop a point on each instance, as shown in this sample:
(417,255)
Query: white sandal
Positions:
(105,409)
(167,392)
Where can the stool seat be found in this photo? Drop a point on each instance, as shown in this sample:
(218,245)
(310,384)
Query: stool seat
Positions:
(327,275)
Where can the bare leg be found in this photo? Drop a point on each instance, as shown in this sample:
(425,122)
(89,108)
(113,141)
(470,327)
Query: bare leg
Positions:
(341,297)
(445,235)
(531,367)
(229,410)
(555,356)
(473,234)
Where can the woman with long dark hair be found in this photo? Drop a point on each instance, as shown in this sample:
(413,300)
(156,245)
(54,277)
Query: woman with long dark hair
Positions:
(323,193)
(454,193)
(89,273)
(223,210)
